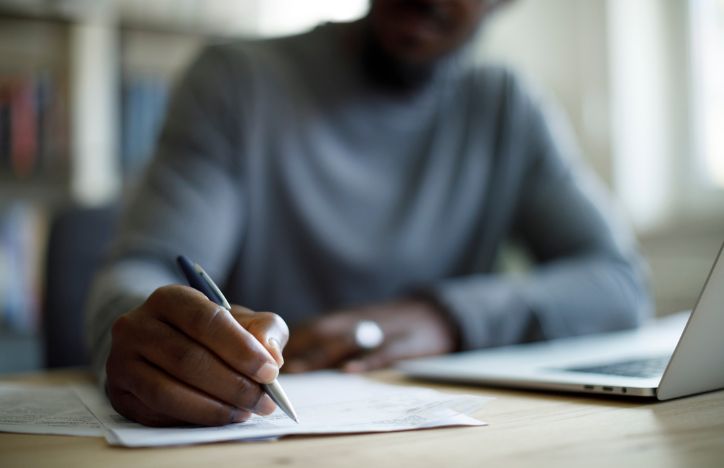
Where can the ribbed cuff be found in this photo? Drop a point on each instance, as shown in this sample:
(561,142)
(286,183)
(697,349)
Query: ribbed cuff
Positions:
(487,311)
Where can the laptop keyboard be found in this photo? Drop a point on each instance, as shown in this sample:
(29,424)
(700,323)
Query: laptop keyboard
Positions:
(646,367)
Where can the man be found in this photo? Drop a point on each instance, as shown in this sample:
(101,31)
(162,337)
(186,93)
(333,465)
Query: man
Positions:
(359,172)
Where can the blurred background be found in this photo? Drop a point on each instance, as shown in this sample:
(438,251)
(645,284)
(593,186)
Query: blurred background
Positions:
(84,86)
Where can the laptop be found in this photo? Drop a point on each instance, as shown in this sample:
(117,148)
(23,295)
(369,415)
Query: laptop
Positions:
(676,356)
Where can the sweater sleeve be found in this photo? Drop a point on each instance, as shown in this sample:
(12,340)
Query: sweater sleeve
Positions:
(189,202)
(587,275)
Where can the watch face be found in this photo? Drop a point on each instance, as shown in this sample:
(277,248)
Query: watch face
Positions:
(368,335)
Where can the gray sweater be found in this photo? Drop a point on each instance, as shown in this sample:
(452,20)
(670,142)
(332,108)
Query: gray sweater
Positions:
(302,186)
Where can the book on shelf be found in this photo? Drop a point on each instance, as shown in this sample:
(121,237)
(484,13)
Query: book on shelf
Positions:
(143,109)
(23,232)
(33,139)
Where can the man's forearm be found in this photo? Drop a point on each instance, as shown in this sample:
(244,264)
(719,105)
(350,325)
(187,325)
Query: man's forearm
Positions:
(567,297)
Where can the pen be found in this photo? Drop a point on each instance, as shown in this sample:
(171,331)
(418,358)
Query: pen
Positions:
(201,281)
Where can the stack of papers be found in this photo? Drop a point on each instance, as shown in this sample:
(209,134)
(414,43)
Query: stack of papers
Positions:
(326,402)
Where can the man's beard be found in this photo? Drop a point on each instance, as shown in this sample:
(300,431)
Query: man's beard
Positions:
(390,72)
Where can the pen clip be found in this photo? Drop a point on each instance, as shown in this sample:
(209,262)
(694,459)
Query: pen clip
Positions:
(195,280)
(220,299)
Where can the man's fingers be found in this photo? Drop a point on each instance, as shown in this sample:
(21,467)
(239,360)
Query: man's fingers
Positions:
(323,343)
(172,398)
(375,360)
(393,350)
(127,404)
(268,328)
(330,351)
(299,342)
(215,328)
(193,364)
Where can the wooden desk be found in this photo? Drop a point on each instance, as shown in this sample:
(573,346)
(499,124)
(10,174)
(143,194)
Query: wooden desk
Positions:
(526,429)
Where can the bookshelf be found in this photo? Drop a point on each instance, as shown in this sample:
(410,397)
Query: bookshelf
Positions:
(33,107)
(83,89)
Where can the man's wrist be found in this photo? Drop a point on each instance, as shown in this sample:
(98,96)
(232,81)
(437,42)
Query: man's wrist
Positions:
(428,300)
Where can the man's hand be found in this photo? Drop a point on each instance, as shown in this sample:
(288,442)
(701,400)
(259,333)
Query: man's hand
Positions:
(411,327)
(181,359)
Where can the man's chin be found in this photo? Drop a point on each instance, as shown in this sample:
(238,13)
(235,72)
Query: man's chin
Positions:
(412,51)
(415,59)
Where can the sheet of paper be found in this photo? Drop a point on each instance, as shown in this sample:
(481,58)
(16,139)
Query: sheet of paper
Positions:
(327,403)
(34,409)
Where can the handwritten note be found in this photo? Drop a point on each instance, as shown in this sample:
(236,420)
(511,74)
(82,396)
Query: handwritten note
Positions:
(327,403)
(45,410)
